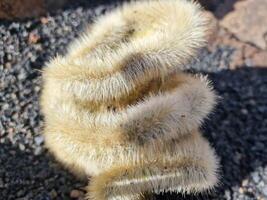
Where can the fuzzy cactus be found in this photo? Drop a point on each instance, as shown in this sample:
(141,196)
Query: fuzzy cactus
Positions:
(120,109)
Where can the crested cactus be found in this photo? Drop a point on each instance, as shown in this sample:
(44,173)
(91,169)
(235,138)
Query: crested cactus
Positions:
(120,109)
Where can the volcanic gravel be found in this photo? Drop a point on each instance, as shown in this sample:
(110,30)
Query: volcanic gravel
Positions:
(237,129)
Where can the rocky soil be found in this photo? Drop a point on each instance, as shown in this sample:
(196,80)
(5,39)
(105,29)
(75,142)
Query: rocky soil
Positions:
(237,129)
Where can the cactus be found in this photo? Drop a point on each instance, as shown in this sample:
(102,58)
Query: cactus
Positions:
(120,108)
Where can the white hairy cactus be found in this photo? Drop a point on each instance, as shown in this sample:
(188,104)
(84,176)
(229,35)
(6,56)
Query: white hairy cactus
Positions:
(119,108)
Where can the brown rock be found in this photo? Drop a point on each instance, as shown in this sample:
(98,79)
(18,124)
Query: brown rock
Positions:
(214,26)
(236,59)
(19,9)
(244,54)
(249,50)
(260,59)
(248,22)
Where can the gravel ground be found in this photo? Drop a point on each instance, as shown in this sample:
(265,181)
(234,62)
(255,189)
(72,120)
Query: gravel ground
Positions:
(237,129)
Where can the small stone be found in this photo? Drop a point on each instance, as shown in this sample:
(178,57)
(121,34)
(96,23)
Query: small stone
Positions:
(250,190)
(244,111)
(8,65)
(22,76)
(53,194)
(39,139)
(20,193)
(37,151)
(227,194)
(76,194)
(264,190)
(37,88)
(261,184)
(44,20)
(245,182)
(12,152)
(256,177)
(21,147)
(33,38)
(10,131)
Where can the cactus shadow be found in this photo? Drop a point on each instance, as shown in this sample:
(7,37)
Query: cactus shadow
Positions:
(220,8)
(237,129)
(24,175)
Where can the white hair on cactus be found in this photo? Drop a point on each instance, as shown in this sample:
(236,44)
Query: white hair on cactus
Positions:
(120,108)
